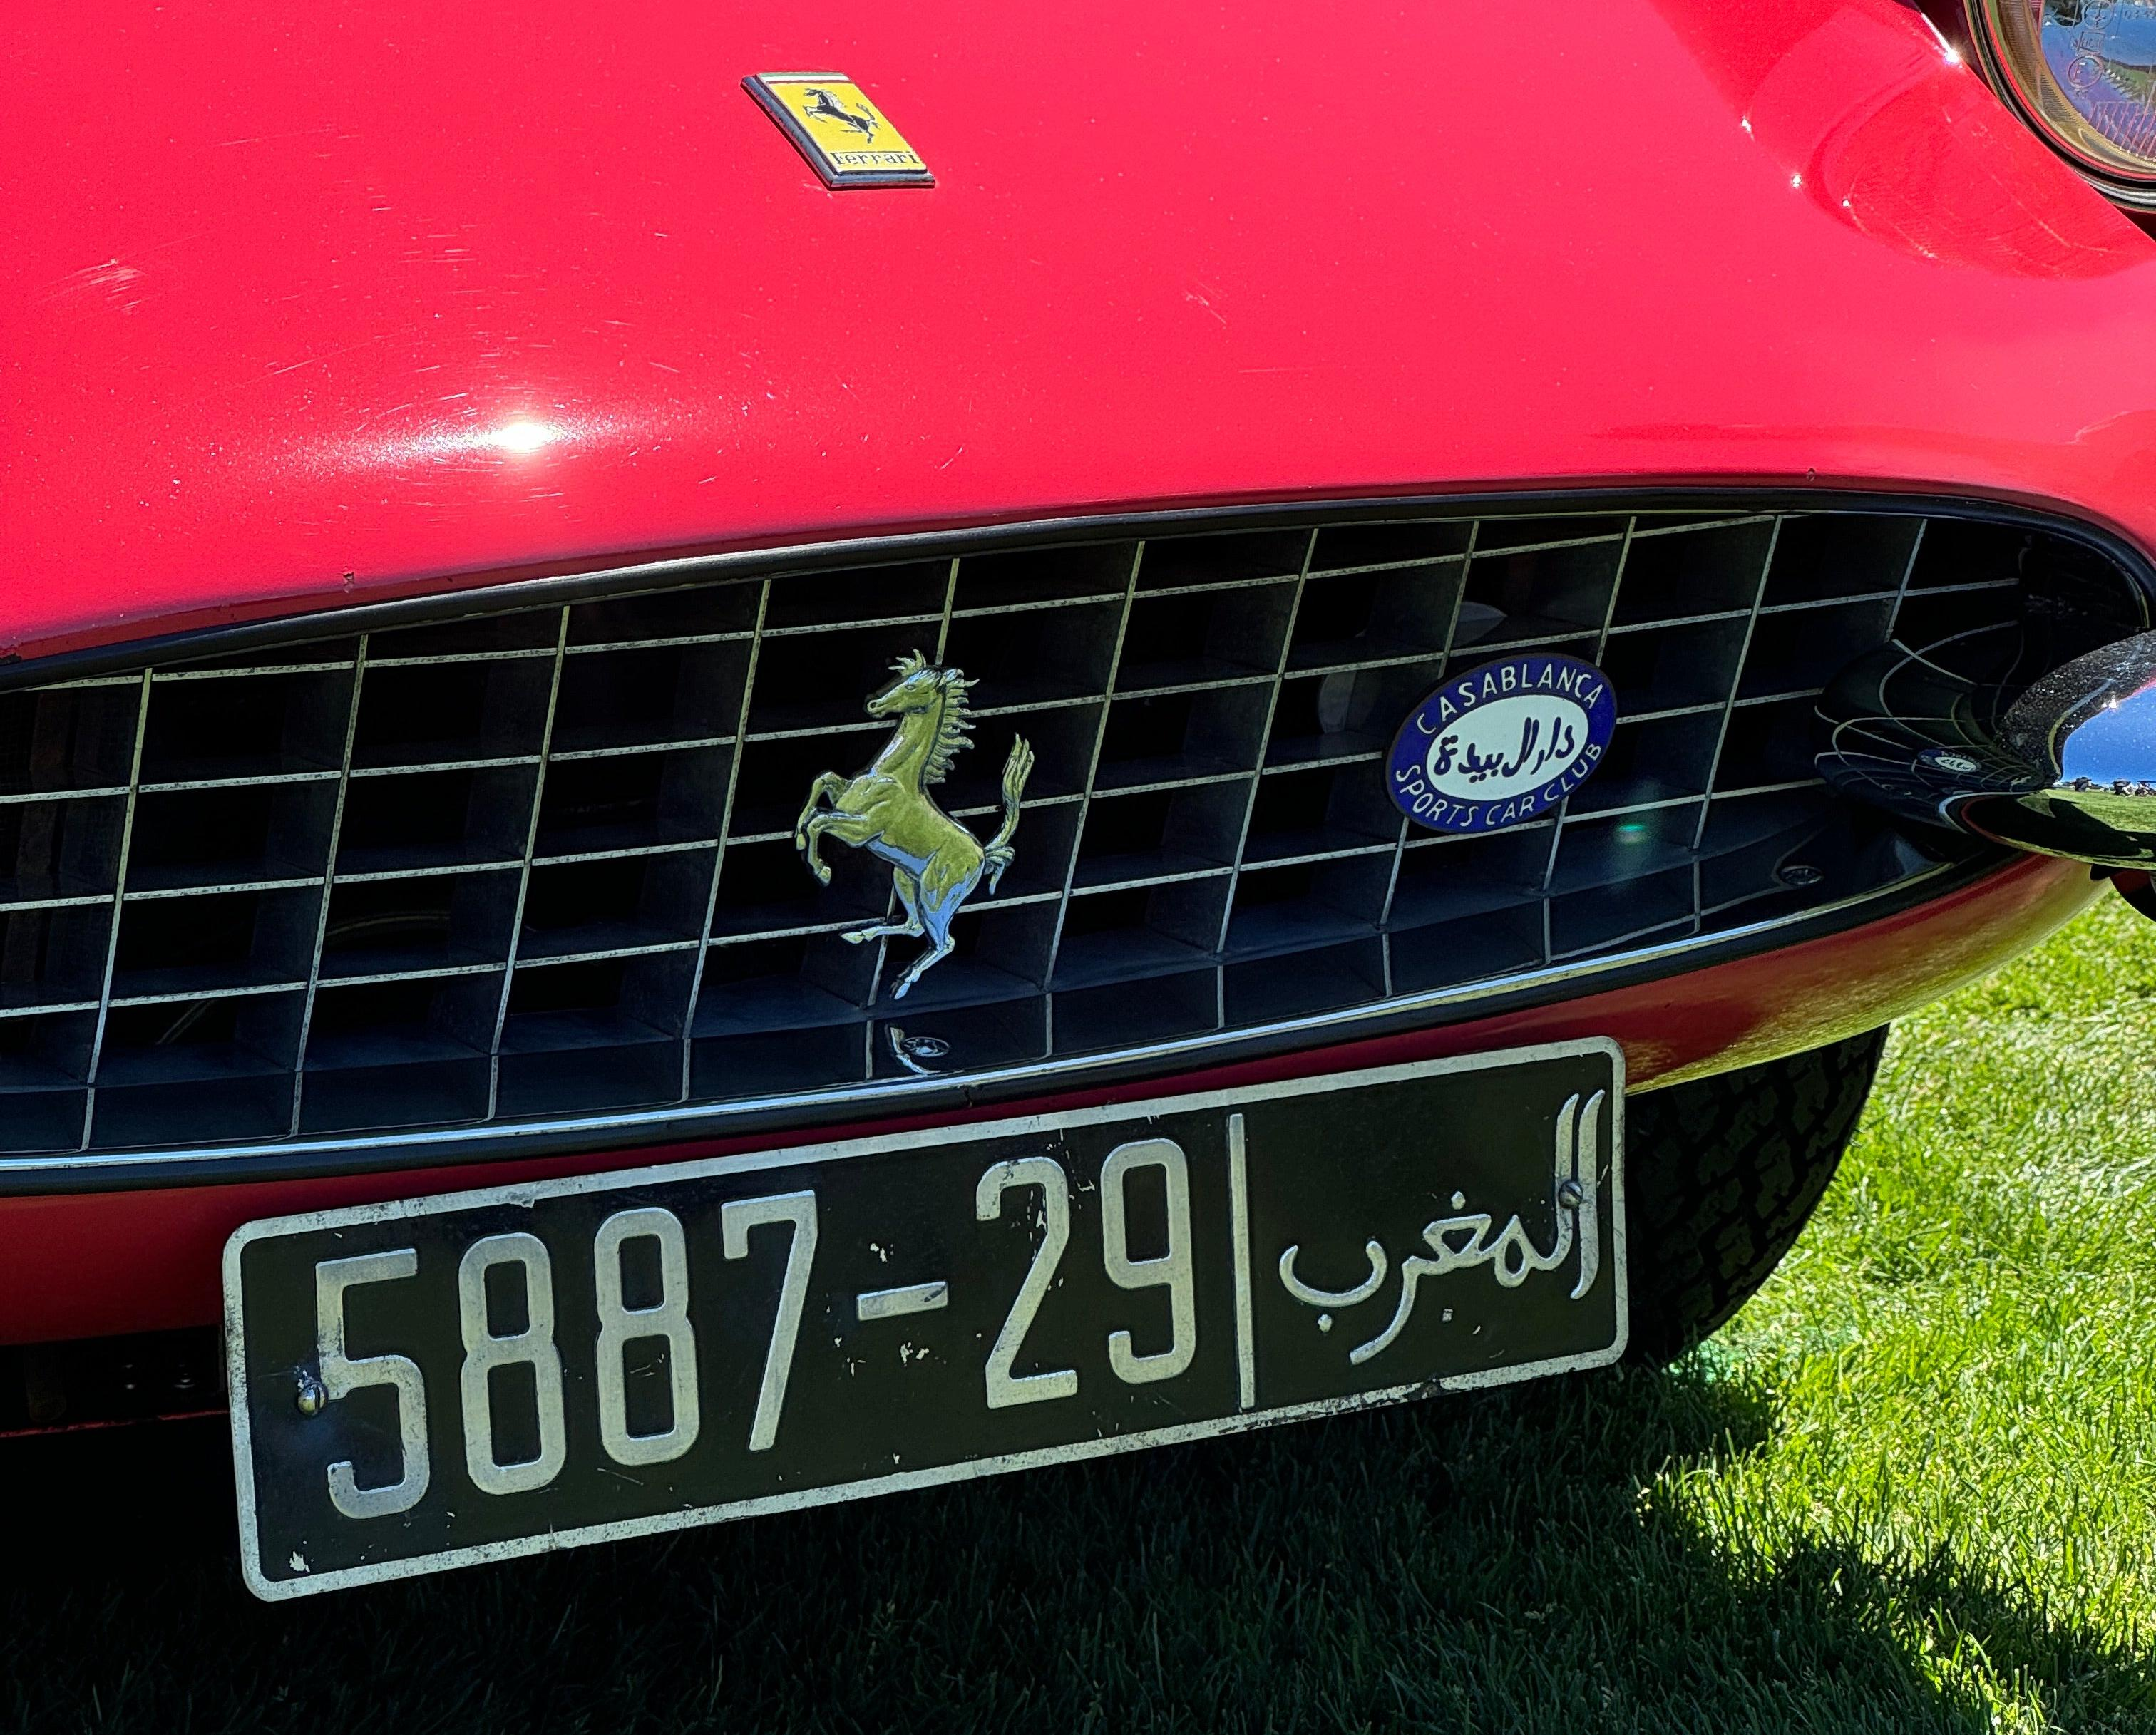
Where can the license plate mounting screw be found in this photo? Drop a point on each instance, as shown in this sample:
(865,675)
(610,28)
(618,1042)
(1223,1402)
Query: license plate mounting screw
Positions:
(309,1398)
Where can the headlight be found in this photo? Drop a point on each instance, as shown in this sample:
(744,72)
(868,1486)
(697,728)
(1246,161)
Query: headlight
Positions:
(2084,73)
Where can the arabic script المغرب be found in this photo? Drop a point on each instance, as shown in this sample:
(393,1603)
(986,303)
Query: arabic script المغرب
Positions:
(1464,1242)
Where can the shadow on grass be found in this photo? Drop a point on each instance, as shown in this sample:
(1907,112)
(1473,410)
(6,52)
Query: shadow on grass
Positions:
(1495,1562)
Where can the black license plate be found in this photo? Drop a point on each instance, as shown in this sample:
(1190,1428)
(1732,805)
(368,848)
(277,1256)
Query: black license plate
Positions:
(440,1381)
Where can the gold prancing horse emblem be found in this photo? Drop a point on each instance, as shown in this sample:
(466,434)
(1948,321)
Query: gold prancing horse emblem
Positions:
(887,810)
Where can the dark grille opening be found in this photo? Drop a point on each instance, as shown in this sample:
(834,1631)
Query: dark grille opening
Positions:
(714,613)
(1038,577)
(1348,714)
(273,725)
(488,636)
(602,1031)
(429,822)
(1359,618)
(211,1069)
(1183,1003)
(800,680)
(1326,810)
(52,956)
(998,955)
(80,738)
(442,922)
(1047,840)
(1160,834)
(206,942)
(657,696)
(1325,978)
(452,713)
(43,1063)
(1926,618)
(1064,652)
(209,837)
(1766,747)
(914,593)
(1062,740)
(51,849)
(1679,668)
(1709,570)
(619,904)
(1622,878)
(540,861)
(1141,933)
(1798,650)
(1307,903)
(1823,558)
(1469,908)
(1204,638)
(780,1015)
(1526,598)
(762,889)
(1181,563)
(1012,1028)
(1177,737)
(1362,547)
(1652,761)
(645,801)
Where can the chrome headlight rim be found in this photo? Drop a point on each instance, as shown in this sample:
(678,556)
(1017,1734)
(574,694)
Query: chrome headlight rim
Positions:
(2012,62)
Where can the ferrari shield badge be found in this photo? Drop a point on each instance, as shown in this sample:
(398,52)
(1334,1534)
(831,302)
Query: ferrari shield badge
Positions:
(844,135)
(1502,744)
(887,810)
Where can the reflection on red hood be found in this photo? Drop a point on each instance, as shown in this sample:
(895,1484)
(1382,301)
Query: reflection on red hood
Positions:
(305,303)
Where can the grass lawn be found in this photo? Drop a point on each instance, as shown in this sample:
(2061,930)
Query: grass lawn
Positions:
(1911,1488)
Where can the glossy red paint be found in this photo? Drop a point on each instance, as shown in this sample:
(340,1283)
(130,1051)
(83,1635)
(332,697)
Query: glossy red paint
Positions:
(82,1265)
(345,300)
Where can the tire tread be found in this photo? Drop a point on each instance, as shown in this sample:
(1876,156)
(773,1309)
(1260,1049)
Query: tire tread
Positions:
(1722,1174)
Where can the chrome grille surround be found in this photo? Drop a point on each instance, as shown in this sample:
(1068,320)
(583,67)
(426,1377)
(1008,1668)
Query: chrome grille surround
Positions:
(531,864)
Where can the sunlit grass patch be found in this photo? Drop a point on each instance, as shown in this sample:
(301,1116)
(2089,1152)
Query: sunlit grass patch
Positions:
(1962,1353)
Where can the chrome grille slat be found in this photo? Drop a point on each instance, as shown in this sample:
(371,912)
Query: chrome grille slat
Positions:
(1400,845)
(719,854)
(260,780)
(112,925)
(539,860)
(1743,650)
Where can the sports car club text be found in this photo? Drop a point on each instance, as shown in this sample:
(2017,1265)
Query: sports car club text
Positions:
(1432,786)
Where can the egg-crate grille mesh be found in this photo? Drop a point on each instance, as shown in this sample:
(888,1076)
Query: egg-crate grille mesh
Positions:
(541,863)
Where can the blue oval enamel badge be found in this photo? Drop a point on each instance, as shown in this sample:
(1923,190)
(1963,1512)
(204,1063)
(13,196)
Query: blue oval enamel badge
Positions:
(1502,744)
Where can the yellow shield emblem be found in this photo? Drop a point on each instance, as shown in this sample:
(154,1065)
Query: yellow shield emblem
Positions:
(844,135)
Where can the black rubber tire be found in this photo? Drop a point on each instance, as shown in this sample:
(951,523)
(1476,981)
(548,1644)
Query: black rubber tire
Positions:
(1721,1176)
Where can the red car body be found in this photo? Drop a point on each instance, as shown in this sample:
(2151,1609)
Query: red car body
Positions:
(304,308)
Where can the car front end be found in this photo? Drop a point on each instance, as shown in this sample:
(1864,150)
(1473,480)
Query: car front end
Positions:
(560,653)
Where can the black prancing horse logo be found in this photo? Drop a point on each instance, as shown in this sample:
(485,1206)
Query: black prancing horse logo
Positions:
(824,106)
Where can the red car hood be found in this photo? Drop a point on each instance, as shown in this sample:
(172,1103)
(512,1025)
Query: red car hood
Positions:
(306,302)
